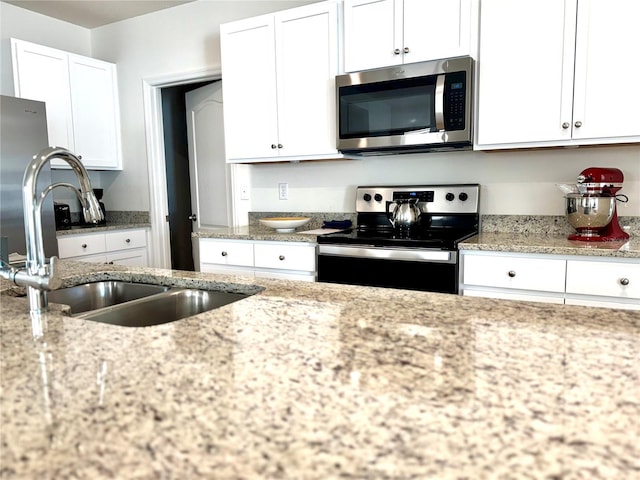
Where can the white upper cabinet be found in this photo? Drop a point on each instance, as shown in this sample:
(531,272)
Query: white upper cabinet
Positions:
(81,97)
(279,73)
(380,33)
(557,73)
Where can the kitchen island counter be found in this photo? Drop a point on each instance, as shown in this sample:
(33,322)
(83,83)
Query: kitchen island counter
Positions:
(321,381)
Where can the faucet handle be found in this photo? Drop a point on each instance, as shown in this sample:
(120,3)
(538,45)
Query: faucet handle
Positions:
(54,280)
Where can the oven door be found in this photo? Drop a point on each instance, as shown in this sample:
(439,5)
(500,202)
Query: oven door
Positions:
(413,269)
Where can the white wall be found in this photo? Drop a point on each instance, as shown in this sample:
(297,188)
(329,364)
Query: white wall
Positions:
(513,182)
(186,38)
(177,40)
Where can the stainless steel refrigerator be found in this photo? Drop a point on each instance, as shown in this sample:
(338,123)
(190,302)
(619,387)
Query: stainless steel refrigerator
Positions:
(23,133)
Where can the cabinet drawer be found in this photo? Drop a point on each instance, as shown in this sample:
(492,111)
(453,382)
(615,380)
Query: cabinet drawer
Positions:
(540,274)
(285,257)
(609,279)
(126,239)
(226,253)
(76,245)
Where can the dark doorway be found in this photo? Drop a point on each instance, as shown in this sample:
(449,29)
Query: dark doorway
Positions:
(176,154)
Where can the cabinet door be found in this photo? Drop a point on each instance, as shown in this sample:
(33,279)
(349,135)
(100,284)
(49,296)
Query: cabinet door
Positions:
(525,89)
(285,256)
(136,257)
(125,239)
(79,245)
(369,34)
(249,93)
(42,73)
(610,279)
(515,272)
(223,252)
(96,119)
(435,29)
(307,63)
(607,68)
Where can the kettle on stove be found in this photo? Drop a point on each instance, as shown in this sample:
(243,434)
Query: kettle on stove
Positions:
(405,214)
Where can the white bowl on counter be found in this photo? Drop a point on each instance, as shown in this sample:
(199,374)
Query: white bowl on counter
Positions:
(284,224)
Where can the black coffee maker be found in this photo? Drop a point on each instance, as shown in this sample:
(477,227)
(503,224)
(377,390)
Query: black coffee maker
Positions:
(98,192)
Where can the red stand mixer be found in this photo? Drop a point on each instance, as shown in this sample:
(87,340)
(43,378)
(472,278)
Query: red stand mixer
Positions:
(592,211)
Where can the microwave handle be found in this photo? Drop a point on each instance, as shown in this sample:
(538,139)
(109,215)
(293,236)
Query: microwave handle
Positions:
(439,102)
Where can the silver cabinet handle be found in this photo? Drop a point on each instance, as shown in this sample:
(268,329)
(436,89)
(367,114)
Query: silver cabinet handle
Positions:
(396,51)
(193,217)
(224,254)
(624,281)
(84,245)
(511,273)
(566,125)
(578,124)
(281,257)
(406,50)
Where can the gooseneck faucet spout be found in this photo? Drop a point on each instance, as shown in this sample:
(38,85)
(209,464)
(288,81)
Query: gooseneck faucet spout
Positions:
(39,276)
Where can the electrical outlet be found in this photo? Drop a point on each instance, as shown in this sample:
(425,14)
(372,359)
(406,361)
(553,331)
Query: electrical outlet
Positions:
(283,191)
(244,192)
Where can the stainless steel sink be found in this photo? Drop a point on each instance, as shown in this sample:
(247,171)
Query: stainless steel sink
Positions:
(175,304)
(92,296)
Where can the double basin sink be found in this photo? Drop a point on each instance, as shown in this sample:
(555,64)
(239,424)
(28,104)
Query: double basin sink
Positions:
(138,304)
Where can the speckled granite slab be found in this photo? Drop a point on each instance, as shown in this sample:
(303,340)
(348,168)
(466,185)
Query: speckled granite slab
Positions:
(551,244)
(542,224)
(321,381)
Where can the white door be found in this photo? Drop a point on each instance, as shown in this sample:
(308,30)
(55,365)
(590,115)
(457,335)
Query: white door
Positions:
(208,171)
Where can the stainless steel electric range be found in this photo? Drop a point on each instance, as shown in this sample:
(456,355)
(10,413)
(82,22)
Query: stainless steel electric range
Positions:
(420,256)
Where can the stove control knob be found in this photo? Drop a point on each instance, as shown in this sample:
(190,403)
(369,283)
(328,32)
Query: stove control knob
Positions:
(450,197)
(463,196)
(366,197)
(377,197)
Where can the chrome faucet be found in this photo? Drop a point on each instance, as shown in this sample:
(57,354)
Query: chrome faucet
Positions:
(39,277)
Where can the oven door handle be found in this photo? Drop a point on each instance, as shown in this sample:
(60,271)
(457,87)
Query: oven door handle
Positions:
(410,255)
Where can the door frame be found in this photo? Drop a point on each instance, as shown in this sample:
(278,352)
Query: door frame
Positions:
(160,251)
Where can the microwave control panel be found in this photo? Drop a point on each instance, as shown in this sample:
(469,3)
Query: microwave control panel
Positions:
(455,101)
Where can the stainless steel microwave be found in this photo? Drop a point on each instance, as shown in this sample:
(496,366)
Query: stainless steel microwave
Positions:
(417,107)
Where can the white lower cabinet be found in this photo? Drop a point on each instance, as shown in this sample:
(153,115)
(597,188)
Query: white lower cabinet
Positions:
(604,283)
(121,247)
(514,277)
(571,280)
(282,260)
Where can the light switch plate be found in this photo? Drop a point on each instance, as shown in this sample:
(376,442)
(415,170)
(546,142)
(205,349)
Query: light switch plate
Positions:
(283,191)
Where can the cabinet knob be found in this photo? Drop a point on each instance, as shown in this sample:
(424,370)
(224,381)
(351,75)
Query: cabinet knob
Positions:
(578,124)
(128,240)
(566,125)
(274,146)
(624,281)
(279,145)
(84,245)
(406,50)
(511,273)
(281,257)
(224,254)
(396,51)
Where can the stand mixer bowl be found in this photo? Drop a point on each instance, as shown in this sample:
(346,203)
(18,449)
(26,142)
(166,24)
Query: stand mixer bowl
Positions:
(590,213)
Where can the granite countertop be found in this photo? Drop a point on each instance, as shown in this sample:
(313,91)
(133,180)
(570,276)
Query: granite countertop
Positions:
(321,381)
(78,230)
(551,244)
(259,232)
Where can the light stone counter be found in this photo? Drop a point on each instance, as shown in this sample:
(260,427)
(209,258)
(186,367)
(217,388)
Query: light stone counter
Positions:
(551,244)
(101,228)
(257,232)
(321,381)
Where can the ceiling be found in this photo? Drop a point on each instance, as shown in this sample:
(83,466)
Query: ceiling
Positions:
(95,13)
